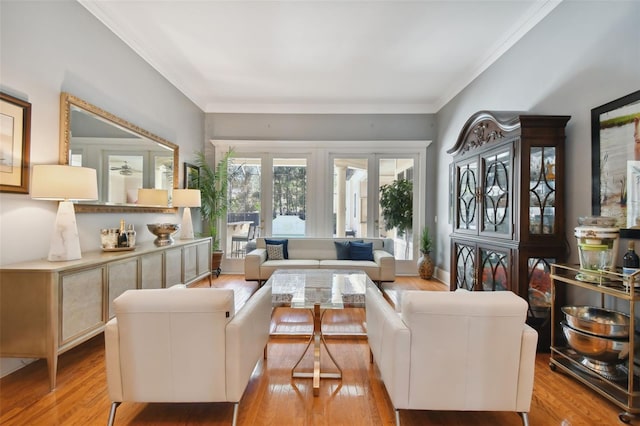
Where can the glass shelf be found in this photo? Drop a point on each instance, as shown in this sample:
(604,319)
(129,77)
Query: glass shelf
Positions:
(613,282)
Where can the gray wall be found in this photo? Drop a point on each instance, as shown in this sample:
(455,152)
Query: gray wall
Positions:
(582,55)
(52,47)
(320,126)
(332,127)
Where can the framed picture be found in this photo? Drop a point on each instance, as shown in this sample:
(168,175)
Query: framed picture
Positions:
(15,142)
(191,176)
(615,160)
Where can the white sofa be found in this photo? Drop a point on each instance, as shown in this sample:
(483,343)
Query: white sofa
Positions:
(467,351)
(184,345)
(312,253)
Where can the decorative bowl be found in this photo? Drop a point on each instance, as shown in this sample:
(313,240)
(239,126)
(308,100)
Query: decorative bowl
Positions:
(163,232)
(602,349)
(598,321)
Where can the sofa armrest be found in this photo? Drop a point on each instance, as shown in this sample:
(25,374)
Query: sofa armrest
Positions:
(527,368)
(390,342)
(252,262)
(387,264)
(112,360)
(247,335)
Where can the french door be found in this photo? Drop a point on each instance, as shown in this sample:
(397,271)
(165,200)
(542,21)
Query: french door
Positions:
(267,197)
(356,198)
(319,189)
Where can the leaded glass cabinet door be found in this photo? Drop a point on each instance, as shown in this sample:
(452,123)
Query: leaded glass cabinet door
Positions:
(539,285)
(542,191)
(496,209)
(494,269)
(465,264)
(467,191)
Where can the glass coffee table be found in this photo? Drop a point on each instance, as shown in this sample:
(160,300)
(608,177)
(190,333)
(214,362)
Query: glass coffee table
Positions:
(318,290)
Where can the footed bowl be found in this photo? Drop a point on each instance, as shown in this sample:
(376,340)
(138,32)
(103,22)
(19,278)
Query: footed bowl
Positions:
(163,232)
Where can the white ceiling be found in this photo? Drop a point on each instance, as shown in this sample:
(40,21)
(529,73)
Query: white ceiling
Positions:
(320,56)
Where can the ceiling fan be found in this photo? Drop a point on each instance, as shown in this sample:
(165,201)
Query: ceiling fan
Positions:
(126,169)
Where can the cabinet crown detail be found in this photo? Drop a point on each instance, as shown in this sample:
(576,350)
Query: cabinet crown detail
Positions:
(484,127)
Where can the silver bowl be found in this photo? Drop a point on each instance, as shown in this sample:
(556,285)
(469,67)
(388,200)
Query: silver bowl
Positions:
(163,232)
(602,349)
(597,321)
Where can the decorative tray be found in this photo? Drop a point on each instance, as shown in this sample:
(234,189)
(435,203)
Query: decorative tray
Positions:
(119,249)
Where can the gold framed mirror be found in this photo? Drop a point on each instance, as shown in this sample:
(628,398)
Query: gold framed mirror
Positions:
(126,157)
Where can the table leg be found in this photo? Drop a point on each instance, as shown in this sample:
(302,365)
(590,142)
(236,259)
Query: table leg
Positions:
(317,333)
(52,366)
(318,340)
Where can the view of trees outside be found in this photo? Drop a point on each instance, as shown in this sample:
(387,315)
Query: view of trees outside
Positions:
(289,195)
(244,186)
(289,191)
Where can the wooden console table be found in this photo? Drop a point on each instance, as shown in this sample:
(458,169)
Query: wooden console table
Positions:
(47,308)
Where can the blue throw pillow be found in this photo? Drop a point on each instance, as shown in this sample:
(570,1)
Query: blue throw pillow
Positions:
(342,250)
(284,243)
(361,251)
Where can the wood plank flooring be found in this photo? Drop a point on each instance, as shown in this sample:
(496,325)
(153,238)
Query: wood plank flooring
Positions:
(272,397)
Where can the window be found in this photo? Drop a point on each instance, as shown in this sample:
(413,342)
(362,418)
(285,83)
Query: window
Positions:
(319,189)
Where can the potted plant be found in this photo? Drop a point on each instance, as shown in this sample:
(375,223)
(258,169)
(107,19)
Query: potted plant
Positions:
(425,263)
(396,202)
(213,184)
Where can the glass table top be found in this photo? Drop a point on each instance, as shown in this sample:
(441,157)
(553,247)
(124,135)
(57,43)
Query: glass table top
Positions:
(329,288)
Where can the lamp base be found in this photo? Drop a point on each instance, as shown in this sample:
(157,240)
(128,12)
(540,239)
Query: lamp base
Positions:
(186,231)
(65,241)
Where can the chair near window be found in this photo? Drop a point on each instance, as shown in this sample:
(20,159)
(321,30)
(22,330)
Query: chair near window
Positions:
(239,242)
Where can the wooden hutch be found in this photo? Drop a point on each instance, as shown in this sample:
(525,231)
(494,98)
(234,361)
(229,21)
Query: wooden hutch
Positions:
(508,207)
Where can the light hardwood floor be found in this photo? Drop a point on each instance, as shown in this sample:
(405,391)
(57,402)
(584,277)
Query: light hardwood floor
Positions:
(272,397)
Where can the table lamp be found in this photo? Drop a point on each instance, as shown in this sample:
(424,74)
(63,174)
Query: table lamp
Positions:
(186,198)
(64,183)
(153,197)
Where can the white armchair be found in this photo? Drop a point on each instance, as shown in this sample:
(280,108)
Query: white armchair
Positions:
(467,351)
(185,345)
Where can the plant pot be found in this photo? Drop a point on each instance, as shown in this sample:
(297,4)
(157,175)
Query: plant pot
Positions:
(425,266)
(216,261)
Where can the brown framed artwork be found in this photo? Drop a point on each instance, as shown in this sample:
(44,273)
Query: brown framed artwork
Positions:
(615,160)
(15,144)
(191,176)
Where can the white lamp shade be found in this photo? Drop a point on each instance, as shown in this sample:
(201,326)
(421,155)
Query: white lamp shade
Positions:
(153,197)
(186,198)
(59,182)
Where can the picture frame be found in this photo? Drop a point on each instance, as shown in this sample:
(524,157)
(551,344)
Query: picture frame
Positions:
(615,160)
(191,176)
(15,144)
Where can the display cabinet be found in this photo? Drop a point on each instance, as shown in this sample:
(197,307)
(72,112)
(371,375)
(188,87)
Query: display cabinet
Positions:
(619,381)
(508,207)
